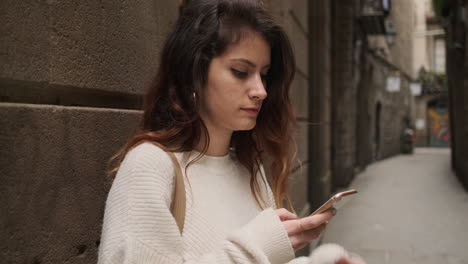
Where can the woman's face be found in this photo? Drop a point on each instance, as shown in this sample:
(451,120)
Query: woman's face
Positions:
(236,84)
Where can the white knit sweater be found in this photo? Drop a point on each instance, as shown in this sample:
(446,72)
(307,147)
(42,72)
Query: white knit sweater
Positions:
(223,223)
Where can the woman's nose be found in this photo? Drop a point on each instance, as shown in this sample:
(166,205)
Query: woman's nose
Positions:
(258,89)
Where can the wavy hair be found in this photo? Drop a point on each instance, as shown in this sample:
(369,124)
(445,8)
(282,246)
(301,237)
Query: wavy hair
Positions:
(204,30)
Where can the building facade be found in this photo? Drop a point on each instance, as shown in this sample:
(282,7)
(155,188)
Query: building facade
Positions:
(432,114)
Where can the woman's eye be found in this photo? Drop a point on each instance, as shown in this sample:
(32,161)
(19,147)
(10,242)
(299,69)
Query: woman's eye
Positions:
(239,74)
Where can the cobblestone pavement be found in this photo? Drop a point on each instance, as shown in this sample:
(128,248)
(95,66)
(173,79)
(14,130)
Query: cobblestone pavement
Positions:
(410,209)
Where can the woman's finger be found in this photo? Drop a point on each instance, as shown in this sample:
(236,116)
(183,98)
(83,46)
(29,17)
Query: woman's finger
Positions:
(284,214)
(307,223)
(306,236)
(314,233)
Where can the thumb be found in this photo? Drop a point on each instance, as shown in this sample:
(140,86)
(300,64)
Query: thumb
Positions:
(284,214)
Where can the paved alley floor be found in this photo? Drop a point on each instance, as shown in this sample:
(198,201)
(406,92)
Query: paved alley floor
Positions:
(409,209)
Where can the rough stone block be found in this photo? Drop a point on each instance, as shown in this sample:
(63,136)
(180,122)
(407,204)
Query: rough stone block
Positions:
(105,45)
(300,96)
(298,190)
(300,10)
(302,141)
(54,186)
(113,46)
(24,40)
(299,43)
(278,10)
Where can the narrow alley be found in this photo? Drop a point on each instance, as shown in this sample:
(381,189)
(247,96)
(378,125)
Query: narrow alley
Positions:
(410,209)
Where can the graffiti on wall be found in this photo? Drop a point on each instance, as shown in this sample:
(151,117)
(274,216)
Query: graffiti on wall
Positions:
(439,127)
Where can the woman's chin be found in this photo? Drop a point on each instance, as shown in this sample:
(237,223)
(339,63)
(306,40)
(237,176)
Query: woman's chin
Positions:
(246,126)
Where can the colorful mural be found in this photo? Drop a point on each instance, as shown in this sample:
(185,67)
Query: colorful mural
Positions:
(439,127)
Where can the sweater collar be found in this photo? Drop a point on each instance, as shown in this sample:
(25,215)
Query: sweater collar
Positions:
(212,163)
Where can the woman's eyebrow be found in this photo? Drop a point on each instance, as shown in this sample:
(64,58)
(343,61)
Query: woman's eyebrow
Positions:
(250,63)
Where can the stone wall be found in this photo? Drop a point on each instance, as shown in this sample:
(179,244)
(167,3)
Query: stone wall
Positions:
(394,108)
(457,71)
(54,186)
(97,47)
(344,89)
(320,102)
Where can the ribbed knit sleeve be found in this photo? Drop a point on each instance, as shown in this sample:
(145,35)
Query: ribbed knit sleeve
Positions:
(139,228)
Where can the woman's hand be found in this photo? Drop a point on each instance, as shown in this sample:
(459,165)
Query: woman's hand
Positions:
(302,231)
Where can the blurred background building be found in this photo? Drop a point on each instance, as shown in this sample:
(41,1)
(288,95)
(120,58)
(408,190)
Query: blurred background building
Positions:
(72,76)
(454,17)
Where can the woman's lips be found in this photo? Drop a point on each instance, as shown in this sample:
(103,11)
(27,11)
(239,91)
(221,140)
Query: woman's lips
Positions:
(252,111)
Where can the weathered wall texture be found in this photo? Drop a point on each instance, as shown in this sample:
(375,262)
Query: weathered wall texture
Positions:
(394,107)
(52,169)
(320,102)
(344,90)
(107,45)
(296,26)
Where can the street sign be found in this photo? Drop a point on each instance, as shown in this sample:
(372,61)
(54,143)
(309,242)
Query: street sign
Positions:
(393,84)
(416,88)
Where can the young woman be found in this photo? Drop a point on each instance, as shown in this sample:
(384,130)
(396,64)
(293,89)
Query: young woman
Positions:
(220,103)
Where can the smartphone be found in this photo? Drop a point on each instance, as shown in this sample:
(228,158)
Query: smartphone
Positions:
(337,201)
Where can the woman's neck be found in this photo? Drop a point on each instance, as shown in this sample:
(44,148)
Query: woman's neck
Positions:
(220,140)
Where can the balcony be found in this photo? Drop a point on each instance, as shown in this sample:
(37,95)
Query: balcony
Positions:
(373,15)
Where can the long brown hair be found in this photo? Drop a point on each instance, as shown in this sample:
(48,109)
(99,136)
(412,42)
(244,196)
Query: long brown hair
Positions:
(171,117)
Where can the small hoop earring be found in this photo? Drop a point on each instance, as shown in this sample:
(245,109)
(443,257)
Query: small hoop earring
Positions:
(194,96)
